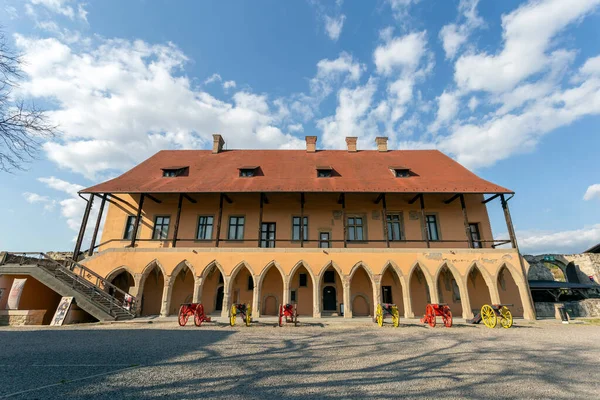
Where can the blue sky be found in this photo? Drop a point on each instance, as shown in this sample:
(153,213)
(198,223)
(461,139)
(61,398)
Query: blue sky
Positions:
(510,89)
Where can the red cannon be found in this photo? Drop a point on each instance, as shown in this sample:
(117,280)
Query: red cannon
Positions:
(196,309)
(289,312)
(437,310)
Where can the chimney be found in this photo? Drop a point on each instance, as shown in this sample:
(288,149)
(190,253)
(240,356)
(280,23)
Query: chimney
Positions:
(218,143)
(311,144)
(381,143)
(351,143)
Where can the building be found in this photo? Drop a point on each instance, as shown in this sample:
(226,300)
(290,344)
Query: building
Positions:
(333,231)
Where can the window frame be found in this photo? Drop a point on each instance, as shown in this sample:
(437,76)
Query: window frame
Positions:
(437,225)
(243,225)
(247,172)
(400,225)
(125,236)
(328,241)
(156,217)
(300,276)
(305,228)
(212,225)
(363,227)
(174,172)
(266,241)
(477,244)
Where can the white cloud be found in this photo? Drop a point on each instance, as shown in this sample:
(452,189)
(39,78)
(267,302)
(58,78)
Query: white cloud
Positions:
(571,241)
(527,33)
(213,78)
(34,198)
(400,53)
(447,109)
(295,128)
(61,7)
(71,208)
(591,67)
(329,72)
(473,103)
(334,25)
(400,8)
(229,85)
(453,36)
(592,192)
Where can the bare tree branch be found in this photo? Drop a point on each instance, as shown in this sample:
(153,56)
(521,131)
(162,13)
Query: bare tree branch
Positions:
(23,126)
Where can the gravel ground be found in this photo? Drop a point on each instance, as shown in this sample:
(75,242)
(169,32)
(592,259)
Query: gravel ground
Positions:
(321,359)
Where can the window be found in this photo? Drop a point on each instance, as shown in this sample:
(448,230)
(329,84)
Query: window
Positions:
(247,172)
(236,228)
(355,228)
(303,280)
(205,227)
(324,172)
(172,172)
(129,227)
(324,240)
(296,228)
(402,173)
(475,236)
(329,277)
(293,296)
(394,227)
(250,283)
(161,227)
(432,227)
(267,235)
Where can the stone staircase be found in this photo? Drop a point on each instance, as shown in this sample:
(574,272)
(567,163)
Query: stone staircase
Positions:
(91,292)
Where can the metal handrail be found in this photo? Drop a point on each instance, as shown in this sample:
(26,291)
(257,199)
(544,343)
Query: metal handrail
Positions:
(82,280)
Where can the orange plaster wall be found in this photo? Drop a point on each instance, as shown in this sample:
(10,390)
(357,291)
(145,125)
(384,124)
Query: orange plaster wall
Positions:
(183,290)
(390,278)
(419,294)
(446,294)
(271,292)
(240,293)
(479,293)
(209,290)
(509,293)
(304,295)
(339,289)
(152,295)
(361,285)
(35,295)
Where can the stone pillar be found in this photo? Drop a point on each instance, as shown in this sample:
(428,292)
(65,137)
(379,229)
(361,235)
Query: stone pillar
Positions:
(376,292)
(166,298)
(317,299)
(494,295)
(226,298)
(197,290)
(286,289)
(347,298)
(408,311)
(256,298)
(464,297)
(136,292)
(433,292)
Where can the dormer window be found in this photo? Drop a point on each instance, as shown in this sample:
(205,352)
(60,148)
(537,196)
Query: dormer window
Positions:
(171,172)
(324,172)
(247,172)
(401,172)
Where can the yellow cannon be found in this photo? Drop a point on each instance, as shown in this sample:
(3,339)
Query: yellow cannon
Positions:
(245,311)
(387,309)
(491,314)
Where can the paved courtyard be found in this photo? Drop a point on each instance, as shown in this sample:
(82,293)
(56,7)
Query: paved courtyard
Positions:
(321,359)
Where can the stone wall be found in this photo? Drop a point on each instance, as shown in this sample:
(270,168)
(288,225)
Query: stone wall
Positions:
(588,263)
(589,308)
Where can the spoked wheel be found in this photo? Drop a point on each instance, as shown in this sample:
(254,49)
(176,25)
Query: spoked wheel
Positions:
(430,315)
(281,315)
(379,315)
(183,316)
(395,317)
(488,315)
(506,319)
(447,318)
(199,315)
(232,315)
(248,315)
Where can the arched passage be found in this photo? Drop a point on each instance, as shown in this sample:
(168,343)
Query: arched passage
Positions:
(271,290)
(509,292)
(212,289)
(182,290)
(301,290)
(152,291)
(331,291)
(361,293)
(419,291)
(391,289)
(242,286)
(479,292)
(122,279)
(448,290)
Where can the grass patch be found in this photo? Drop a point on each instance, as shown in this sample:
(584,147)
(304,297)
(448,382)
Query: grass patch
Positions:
(591,321)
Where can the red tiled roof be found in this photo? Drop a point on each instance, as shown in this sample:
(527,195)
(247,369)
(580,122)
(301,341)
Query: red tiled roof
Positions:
(296,171)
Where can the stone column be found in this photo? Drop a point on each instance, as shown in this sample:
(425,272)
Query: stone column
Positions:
(136,292)
(347,299)
(376,292)
(464,297)
(166,298)
(256,298)
(408,311)
(433,292)
(226,300)
(316,299)
(286,290)
(494,295)
(197,290)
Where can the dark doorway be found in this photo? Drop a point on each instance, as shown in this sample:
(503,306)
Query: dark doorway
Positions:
(219,304)
(386,294)
(572,273)
(329,298)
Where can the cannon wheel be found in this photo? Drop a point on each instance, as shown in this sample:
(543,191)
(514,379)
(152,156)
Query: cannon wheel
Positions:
(447,317)
(395,317)
(379,315)
(199,315)
(488,315)
(506,319)
(183,316)
(281,315)
(430,315)
(248,315)
(232,315)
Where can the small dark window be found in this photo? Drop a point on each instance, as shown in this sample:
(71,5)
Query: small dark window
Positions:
(303,282)
(402,173)
(394,226)
(355,228)
(329,277)
(296,228)
(293,296)
(250,283)
(205,227)
(236,228)
(324,172)
(129,227)
(432,227)
(173,172)
(161,228)
(245,173)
